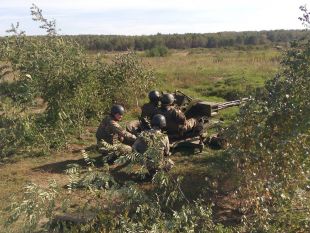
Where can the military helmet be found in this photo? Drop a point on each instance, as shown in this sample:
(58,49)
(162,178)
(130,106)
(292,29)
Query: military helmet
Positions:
(154,96)
(159,121)
(167,99)
(117,109)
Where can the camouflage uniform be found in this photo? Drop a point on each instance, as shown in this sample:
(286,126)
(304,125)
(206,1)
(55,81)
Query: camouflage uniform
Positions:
(157,145)
(112,133)
(177,124)
(148,110)
(134,127)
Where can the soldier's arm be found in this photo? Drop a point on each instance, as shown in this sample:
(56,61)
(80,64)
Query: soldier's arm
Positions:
(144,112)
(179,116)
(117,129)
(129,136)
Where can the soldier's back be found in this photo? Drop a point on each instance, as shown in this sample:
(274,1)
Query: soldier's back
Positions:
(156,159)
(174,119)
(152,138)
(148,110)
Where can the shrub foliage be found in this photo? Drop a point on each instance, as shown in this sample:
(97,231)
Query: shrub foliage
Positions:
(270,145)
(74,89)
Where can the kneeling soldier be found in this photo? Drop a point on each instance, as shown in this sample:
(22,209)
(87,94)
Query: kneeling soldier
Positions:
(112,133)
(155,145)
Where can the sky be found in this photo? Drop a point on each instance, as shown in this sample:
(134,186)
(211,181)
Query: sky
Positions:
(146,17)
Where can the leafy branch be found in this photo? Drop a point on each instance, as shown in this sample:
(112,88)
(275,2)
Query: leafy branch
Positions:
(48,25)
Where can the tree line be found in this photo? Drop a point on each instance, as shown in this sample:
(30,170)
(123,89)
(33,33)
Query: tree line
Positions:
(189,40)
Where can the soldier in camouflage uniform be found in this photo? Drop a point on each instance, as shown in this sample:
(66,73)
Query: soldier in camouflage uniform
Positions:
(155,145)
(148,110)
(110,133)
(177,124)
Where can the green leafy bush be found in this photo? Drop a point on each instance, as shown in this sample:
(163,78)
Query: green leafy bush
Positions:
(125,80)
(270,145)
(158,51)
(73,88)
(166,210)
(37,203)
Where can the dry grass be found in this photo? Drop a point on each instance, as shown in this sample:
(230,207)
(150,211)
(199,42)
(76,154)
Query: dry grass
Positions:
(205,73)
(210,67)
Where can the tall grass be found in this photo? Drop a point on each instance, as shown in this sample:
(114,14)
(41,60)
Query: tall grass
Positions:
(209,73)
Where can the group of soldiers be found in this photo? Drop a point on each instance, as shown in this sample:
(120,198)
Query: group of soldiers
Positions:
(160,121)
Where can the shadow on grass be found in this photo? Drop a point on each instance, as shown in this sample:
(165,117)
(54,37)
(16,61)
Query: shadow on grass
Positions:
(115,170)
(219,161)
(207,174)
(210,176)
(204,175)
(184,150)
(122,177)
(60,167)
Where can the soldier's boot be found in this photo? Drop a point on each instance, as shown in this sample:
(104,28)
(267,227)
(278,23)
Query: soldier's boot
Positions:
(110,158)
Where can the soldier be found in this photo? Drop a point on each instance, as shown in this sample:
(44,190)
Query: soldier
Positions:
(148,110)
(177,124)
(156,144)
(151,109)
(112,133)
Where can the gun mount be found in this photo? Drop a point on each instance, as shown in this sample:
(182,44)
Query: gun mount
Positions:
(208,109)
(194,108)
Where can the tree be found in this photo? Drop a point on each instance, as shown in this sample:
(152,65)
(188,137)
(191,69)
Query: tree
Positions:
(270,145)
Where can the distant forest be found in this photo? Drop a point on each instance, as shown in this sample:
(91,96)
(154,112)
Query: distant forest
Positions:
(190,40)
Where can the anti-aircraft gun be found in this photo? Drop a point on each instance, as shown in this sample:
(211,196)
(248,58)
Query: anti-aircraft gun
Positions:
(195,108)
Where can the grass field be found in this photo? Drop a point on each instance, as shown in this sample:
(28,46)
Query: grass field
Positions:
(208,74)
(214,73)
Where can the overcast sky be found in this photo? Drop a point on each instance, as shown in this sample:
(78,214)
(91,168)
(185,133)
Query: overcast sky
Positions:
(144,17)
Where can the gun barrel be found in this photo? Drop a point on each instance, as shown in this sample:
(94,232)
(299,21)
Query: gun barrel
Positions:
(229,104)
(189,98)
